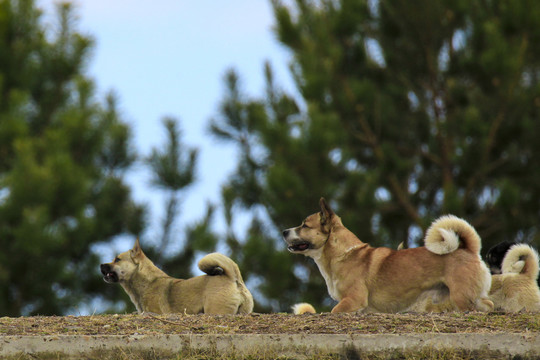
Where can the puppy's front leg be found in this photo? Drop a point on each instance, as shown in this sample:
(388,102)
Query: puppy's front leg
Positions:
(350,304)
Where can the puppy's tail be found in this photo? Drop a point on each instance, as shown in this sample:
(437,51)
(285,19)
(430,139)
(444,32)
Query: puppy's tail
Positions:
(303,308)
(448,233)
(521,259)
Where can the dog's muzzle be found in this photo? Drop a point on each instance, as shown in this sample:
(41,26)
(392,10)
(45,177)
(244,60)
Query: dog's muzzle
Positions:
(294,243)
(109,275)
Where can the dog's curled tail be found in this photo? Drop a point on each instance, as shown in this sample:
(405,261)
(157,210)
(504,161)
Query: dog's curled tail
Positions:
(303,308)
(521,259)
(218,264)
(447,232)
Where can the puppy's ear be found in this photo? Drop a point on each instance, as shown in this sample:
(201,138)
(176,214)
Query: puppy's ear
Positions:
(136,252)
(326,211)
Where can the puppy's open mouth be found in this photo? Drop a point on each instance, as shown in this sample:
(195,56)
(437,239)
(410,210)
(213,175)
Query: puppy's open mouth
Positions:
(110,277)
(299,246)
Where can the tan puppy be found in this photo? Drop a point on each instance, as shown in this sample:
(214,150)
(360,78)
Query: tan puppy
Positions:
(516,288)
(363,278)
(221,291)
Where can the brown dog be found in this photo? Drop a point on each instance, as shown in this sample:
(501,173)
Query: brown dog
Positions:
(363,278)
(221,291)
(516,288)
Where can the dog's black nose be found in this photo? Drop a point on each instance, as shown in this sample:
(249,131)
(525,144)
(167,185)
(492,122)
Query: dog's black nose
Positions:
(285,233)
(105,269)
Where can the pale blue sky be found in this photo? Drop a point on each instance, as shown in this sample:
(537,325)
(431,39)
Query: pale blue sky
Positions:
(168,58)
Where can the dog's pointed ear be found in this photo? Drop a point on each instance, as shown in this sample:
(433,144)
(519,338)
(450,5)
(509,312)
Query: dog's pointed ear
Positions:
(326,211)
(137,250)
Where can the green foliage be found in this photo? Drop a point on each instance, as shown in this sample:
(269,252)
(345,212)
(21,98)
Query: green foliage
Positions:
(198,239)
(173,170)
(404,112)
(62,159)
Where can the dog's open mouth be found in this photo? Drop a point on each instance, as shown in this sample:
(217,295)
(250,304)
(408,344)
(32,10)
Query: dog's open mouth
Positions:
(110,277)
(299,246)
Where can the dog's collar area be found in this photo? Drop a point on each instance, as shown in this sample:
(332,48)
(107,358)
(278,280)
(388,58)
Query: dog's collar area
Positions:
(355,247)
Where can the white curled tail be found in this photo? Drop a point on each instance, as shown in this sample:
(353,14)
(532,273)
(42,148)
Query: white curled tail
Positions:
(448,233)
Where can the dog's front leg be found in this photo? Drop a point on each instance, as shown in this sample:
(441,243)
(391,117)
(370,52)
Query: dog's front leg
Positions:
(350,304)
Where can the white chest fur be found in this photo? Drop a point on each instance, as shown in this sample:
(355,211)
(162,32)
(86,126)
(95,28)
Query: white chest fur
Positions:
(331,283)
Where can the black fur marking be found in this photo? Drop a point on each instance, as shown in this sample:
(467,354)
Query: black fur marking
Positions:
(495,255)
(216,270)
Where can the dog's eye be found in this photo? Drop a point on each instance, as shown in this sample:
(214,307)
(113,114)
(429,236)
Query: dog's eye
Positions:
(304,226)
(116,260)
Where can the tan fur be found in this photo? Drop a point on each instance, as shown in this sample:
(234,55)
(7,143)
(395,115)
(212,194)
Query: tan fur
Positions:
(516,288)
(303,308)
(151,290)
(433,301)
(363,278)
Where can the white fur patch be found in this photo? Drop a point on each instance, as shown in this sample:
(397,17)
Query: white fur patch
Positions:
(448,242)
(449,236)
(517,267)
(291,235)
(316,255)
(354,247)
(445,234)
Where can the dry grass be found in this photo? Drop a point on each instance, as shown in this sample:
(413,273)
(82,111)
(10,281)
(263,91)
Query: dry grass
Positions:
(148,324)
(272,324)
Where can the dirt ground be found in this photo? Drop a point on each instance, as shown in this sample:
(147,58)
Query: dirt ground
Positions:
(324,323)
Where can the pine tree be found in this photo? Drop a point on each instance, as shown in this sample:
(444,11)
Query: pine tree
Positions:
(63,156)
(408,111)
(173,170)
